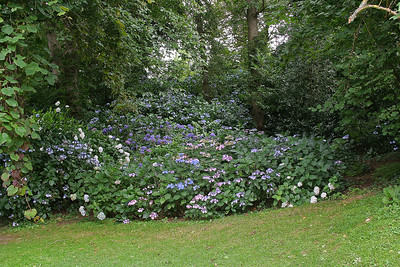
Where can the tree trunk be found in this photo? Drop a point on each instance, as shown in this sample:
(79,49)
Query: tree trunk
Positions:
(254,79)
(65,57)
(205,84)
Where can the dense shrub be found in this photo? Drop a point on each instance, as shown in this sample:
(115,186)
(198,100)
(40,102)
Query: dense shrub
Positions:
(153,164)
(184,108)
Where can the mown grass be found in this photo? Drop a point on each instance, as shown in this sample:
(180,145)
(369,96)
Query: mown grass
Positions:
(354,230)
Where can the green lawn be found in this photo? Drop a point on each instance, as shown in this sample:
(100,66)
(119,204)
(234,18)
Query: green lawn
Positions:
(354,230)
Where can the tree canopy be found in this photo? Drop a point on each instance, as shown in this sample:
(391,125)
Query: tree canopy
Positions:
(314,67)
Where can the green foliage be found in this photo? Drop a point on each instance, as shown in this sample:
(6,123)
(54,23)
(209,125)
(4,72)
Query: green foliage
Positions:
(153,164)
(362,57)
(104,49)
(19,74)
(391,195)
(113,50)
(289,92)
(185,108)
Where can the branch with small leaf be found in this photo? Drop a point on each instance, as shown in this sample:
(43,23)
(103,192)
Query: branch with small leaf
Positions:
(364,5)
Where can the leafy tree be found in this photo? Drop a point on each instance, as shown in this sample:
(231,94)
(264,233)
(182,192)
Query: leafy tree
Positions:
(104,49)
(363,56)
(250,21)
(22,70)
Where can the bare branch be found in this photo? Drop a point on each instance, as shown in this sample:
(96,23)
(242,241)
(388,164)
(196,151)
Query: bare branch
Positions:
(263,8)
(364,5)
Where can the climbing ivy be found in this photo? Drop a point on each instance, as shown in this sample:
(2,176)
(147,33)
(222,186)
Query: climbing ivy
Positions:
(21,69)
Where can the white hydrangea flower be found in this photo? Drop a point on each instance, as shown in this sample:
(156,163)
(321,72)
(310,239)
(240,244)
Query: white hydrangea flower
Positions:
(82,210)
(294,188)
(284,204)
(290,206)
(101,216)
(100,149)
(331,186)
(316,190)
(289,177)
(127,159)
(57,103)
(66,106)
(119,146)
(299,184)
(58,110)
(73,197)
(82,135)
(313,200)
(86,198)
(76,138)
(323,195)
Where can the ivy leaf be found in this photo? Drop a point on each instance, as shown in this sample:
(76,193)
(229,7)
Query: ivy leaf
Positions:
(7,29)
(32,68)
(12,102)
(51,79)
(14,157)
(11,79)
(32,28)
(27,88)
(3,54)
(1,20)
(20,63)
(8,91)
(21,131)
(30,214)
(15,114)
(12,190)
(35,135)
(7,126)
(28,165)
(5,176)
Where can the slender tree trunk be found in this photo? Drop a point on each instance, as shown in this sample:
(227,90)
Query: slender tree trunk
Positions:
(70,76)
(254,79)
(205,83)
(54,48)
(65,56)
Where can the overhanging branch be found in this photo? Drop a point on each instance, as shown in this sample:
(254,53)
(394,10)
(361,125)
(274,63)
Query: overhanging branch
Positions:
(364,5)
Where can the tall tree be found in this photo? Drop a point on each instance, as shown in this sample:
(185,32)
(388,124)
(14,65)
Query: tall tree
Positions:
(363,56)
(251,20)
(104,48)
(23,69)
